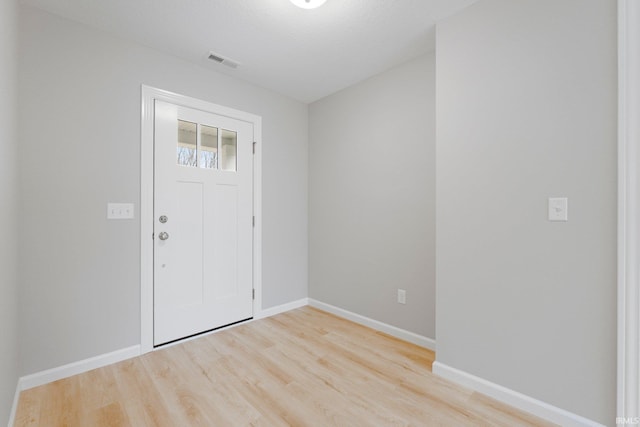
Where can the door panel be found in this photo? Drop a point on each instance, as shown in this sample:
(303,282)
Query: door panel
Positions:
(203,185)
(225,241)
(188,264)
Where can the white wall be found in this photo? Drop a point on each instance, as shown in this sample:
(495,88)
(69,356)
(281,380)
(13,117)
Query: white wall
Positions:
(372,195)
(526,110)
(8,218)
(79,121)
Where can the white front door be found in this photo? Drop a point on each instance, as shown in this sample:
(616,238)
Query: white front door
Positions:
(203,192)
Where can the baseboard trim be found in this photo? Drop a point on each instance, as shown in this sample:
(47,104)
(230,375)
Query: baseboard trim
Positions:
(394,331)
(44,377)
(65,371)
(513,398)
(14,407)
(272,311)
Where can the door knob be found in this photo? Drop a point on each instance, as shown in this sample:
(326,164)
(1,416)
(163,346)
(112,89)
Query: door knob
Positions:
(163,236)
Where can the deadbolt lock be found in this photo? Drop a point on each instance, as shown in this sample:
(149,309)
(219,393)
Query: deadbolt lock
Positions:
(163,219)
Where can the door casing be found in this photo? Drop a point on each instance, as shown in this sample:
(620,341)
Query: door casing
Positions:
(149,95)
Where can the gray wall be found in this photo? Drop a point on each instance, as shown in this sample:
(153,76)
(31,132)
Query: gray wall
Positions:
(372,195)
(526,110)
(8,219)
(79,121)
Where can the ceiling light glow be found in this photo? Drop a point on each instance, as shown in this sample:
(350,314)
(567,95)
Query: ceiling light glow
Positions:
(308,4)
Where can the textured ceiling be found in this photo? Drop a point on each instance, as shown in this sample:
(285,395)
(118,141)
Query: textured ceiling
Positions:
(305,54)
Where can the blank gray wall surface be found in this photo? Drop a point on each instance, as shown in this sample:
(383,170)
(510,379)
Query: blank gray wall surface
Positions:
(526,108)
(372,195)
(80,148)
(8,217)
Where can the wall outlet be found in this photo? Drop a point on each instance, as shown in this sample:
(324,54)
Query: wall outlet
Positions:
(402,296)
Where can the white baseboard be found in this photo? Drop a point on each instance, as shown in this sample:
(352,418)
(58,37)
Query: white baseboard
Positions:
(50,375)
(513,398)
(414,338)
(282,308)
(14,407)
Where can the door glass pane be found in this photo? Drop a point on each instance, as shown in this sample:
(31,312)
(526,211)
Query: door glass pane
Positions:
(208,147)
(228,148)
(186,143)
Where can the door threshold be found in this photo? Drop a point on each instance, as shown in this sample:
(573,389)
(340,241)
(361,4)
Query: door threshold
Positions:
(200,334)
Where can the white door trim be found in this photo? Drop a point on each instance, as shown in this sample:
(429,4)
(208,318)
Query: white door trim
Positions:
(628,209)
(149,94)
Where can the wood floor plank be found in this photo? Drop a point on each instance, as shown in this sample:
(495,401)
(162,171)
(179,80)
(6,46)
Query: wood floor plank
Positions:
(145,405)
(111,415)
(99,404)
(64,405)
(300,368)
(28,410)
(185,390)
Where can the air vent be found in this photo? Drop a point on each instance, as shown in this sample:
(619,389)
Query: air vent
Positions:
(216,58)
(223,60)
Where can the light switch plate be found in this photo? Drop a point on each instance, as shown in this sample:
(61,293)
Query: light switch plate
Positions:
(120,211)
(558,209)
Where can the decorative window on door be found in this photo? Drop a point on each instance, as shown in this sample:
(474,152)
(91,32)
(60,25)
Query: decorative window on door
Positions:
(187,143)
(229,148)
(208,147)
(199,145)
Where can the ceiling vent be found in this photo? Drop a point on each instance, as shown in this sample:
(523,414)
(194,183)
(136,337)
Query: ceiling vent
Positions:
(223,60)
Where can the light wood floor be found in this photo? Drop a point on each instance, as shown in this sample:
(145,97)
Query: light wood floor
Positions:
(300,368)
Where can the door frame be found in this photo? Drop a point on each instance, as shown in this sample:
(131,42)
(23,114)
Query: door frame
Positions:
(628,389)
(149,95)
